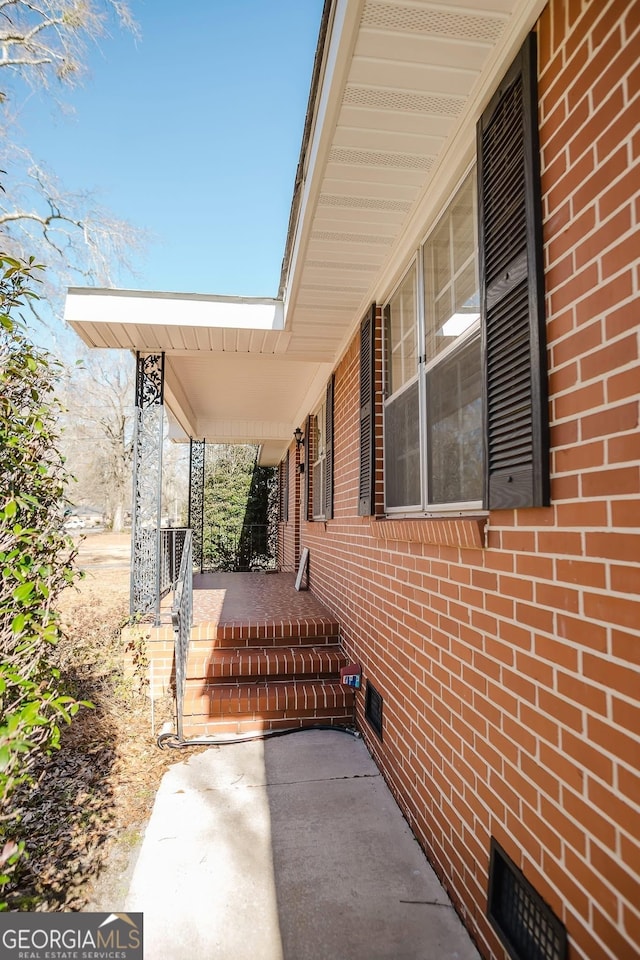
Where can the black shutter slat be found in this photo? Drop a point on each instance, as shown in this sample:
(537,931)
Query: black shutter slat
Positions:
(328,476)
(504,184)
(284,488)
(287,465)
(366,499)
(512,293)
(308,465)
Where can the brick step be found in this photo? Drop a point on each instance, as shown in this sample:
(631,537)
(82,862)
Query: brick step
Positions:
(194,727)
(254,705)
(228,665)
(269,633)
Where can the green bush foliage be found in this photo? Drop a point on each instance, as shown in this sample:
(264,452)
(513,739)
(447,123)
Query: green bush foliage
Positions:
(36,557)
(239,503)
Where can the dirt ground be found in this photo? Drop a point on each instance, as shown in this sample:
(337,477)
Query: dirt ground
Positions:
(105,560)
(84,821)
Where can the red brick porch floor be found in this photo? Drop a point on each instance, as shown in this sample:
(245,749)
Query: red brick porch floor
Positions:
(248,599)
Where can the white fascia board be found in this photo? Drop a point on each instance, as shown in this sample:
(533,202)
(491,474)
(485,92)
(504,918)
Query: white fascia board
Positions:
(95,305)
(342,39)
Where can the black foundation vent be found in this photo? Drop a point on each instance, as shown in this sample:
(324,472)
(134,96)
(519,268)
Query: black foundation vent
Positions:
(527,927)
(373,708)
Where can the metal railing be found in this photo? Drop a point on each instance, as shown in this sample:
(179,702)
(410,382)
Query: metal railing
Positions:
(154,568)
(182,619)
(171,549)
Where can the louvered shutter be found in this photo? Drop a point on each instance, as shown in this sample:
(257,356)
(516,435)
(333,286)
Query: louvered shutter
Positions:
(284,488)
(512,292)
(308,466)
(366,499)
(328,475)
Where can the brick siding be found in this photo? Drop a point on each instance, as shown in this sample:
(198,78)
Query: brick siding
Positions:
(289,530)
(507,649)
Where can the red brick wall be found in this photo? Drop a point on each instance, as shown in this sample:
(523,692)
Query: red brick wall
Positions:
(510,667)
(289,530)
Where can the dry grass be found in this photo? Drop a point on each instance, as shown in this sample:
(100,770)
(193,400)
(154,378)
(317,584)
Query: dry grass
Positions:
(93,796)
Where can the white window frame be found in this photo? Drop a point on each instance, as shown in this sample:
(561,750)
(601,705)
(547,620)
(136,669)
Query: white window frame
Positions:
(319,465)
(424,367)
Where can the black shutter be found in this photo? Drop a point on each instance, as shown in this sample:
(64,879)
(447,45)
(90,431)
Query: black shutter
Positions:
(512,292)
(328,474)
(308,465)
(284,488)
(366,497)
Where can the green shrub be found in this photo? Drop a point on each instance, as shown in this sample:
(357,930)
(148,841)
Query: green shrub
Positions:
(35,555)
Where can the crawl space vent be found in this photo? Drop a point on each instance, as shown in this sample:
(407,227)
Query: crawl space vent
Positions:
(526,925)
(373,708)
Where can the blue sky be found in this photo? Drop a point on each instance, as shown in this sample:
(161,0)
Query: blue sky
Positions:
(192,132)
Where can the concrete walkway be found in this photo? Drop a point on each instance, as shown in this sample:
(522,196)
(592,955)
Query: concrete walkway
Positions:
(287,849)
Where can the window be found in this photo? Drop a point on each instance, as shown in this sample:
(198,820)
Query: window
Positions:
(402,471)
(433,383)
(367,416)
(318,470)
(465,398)
(452,354)
(321,477)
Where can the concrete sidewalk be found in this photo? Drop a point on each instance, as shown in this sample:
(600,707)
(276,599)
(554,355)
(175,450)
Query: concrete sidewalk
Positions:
(287,849)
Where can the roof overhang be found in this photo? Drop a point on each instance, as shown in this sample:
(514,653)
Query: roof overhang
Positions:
(396,94)
(228,377)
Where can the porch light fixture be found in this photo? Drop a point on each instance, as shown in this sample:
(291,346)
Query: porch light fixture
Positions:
(298,437)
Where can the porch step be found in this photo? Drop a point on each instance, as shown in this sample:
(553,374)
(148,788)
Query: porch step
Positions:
(267,685)
(265,633)
(229,665)
(272,699)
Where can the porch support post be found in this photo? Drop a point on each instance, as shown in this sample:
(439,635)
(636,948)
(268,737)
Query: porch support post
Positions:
(147,485)
(196,499)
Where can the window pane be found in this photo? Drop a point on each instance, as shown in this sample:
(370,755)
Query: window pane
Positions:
(451,274)
(402,450)
(318,488)
(439,245)
(454,416)
(462,226)
(401,335)
(319,460)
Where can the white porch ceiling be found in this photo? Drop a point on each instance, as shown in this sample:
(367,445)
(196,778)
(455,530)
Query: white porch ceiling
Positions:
(398,90)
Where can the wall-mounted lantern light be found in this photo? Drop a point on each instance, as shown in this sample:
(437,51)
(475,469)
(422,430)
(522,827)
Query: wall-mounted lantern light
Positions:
(298,437)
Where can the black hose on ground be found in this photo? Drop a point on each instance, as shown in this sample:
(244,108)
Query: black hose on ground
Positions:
(171,740)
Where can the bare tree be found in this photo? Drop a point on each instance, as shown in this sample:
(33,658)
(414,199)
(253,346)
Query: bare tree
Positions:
(77,237)
(43,43)
(175,482)
(45,40)
(98,433)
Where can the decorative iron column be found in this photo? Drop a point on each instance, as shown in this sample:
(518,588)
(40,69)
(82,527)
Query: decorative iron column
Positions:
(147,485)
(196,499)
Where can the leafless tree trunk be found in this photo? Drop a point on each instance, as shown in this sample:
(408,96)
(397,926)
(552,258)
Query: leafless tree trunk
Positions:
(98,433)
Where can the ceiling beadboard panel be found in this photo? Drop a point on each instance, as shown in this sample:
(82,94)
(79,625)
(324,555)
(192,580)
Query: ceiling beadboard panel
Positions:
(413,68)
